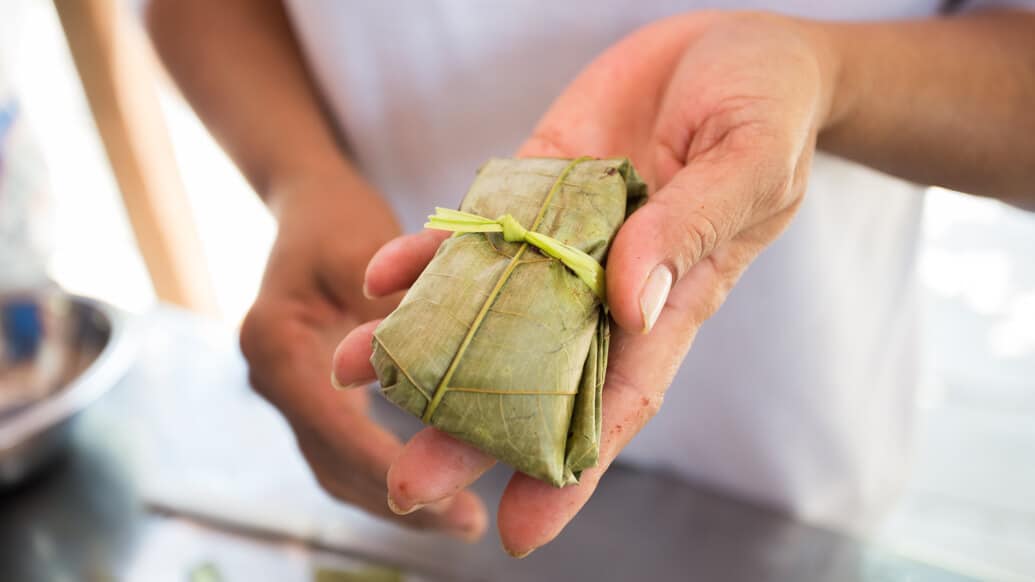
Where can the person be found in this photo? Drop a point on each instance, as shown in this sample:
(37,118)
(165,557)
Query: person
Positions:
(354,119)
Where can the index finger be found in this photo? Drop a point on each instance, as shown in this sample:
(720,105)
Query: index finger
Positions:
(395,266)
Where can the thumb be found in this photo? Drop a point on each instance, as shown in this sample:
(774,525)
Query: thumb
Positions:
(705,205)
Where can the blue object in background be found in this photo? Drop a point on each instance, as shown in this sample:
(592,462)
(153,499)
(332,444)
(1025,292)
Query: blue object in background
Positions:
(8,115)
(22,326)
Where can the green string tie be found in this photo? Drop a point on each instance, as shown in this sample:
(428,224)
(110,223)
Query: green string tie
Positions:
(584,266)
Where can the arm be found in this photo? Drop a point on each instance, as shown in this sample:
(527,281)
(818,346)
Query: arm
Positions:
(239,66)
(947,102)
(237,63)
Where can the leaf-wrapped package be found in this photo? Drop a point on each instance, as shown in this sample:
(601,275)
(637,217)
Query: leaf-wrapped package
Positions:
(501,345)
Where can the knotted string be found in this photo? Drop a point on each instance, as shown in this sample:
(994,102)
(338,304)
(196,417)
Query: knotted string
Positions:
(584,266)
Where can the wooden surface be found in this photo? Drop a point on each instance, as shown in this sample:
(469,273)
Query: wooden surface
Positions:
(117,70)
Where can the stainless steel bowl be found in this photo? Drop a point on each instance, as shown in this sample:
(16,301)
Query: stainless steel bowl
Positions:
(58,353)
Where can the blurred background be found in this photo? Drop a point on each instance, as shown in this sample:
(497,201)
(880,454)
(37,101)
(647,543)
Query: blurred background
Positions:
(970,503)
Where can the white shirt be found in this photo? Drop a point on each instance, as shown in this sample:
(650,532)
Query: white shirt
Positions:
(800,393)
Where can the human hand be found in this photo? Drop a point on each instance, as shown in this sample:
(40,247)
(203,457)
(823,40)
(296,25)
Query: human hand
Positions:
(719,113)
(311,296)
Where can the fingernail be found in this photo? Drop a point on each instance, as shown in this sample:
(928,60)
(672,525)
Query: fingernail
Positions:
(396,509)
(654,295)
(517,555)
(366,291)
(337,385)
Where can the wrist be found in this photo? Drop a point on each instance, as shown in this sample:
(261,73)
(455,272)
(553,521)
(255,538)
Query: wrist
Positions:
(338,207)
(811,44)
(829,46)
(330,184)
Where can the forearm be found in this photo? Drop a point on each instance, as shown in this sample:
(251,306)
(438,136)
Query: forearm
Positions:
(239,66)
(948,102)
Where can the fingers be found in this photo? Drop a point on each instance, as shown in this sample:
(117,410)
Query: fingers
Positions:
(351,455)
(532,513)
(427,479)
(430,473)
(465,516)
(398,264)
(365,459)
(351,367)
(436,459)
(431,467)
(462,516)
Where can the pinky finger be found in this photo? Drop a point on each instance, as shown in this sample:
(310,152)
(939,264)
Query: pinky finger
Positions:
(351,366)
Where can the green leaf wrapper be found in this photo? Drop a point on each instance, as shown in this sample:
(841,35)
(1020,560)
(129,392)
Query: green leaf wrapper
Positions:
(501,345)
